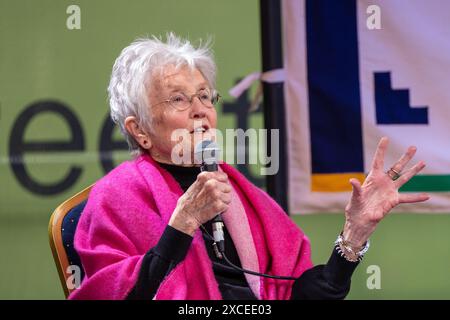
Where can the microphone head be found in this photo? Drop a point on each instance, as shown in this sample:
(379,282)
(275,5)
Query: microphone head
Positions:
(206,152)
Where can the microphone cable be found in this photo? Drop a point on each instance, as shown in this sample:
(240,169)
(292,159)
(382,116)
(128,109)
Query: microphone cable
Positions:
(219,250)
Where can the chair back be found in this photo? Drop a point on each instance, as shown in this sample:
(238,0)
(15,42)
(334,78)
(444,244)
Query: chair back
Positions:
(61,231)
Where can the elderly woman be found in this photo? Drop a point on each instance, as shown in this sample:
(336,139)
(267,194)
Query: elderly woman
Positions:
(146,230)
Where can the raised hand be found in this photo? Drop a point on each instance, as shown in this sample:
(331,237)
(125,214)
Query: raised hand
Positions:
(375,198)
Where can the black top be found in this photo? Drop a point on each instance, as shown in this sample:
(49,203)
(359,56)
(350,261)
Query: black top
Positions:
(330,281)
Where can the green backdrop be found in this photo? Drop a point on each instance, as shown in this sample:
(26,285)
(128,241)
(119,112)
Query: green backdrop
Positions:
(42,60)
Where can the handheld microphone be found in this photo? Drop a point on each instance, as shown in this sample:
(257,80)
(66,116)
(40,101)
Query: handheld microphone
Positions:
(207,152)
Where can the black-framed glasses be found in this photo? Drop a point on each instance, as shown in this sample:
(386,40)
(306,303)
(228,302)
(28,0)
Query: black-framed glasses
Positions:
(180,101)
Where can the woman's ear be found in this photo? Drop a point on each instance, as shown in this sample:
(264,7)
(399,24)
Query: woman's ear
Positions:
(141,137)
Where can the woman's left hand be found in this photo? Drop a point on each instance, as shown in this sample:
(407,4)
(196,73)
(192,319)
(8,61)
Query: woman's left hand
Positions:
(372,201)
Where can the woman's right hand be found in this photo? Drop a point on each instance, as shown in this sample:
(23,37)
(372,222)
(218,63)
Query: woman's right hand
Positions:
(208,196)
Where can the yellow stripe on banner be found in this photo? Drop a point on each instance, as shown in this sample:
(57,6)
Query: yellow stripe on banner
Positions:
(334,182)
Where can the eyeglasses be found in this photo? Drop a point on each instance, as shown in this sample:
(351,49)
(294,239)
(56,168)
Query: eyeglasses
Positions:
(180,101)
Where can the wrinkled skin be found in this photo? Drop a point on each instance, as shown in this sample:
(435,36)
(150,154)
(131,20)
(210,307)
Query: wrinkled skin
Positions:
(378,195)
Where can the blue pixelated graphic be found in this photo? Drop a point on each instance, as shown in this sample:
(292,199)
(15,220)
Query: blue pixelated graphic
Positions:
(392,106)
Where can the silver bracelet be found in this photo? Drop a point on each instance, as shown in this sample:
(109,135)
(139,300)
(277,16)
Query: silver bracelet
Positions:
(342,247)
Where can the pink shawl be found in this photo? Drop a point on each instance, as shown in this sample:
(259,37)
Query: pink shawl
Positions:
(128,210)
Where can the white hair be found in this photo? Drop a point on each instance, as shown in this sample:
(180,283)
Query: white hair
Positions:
(133,71)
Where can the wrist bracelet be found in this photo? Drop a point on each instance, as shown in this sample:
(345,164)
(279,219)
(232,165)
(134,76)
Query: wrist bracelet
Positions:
(350,253)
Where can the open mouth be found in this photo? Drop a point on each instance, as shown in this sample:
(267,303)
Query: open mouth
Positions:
(200,129)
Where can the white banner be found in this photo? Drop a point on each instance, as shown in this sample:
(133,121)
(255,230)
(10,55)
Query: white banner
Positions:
(357,71)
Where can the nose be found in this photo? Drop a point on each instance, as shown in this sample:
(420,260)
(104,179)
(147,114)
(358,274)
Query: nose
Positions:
(197,110)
